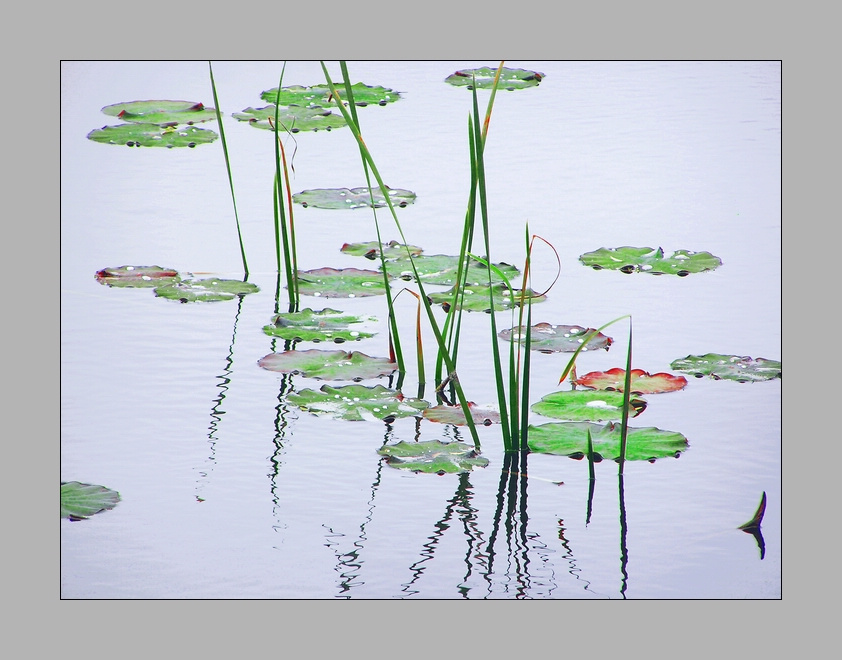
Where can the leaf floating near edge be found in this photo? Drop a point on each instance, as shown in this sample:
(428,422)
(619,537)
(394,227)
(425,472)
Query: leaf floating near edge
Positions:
(328,365)
(352,198)
(729,367)
(80,501)
(510,79)
(320,95)
(206,290)
(161,112)
(357,403)
(754,523)
(650,260)
(642,382)
(433,457)
(152,135)
(548,338)
(136,276)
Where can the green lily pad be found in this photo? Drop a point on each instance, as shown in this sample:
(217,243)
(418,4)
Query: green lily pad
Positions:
(207,290)
(323,325)
(433,457)
(340,283)
(571,439)
(587,405)
(485,415)
(614,380)
(442,269)
(328,365)
(357,403)
(351,198)
(510,79)
(476,298)
(152,135)
(548,338)
(292,118)
(648,260)
(79,501)
(161,112)
(371,250)
(729,367)
(320,95)
(136,276)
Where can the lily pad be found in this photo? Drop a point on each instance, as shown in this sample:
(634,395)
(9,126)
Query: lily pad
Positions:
(320,95)
(152,135)
(340,283)
(729,367)
(371,250)
(136,276)
(571,439)
(510,79)
(433,457)
(351,198)
(548,338)
(476,298)
(292,118)
(79,501)
(587,405)
(328,365)
(161,112)
(207,290)
(648,260)
(485,415)
(614,380)
(357,403)
(443,269)
(323,325)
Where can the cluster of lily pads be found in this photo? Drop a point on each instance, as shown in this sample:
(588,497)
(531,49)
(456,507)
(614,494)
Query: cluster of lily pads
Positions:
(157,124)
(168,283)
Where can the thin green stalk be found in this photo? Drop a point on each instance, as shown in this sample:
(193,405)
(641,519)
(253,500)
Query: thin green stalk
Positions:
(584,343)
(624,431)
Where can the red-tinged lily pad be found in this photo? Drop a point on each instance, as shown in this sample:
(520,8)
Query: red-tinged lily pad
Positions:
(356,403)
(476,298)
(443,269)
(136,276)
(729,367)
(371,250)
(433,457)
(614,380)
(571,439)
(323,325)
(293,118)
(211,289)
(80,501)
(485,415)
(548,338)
(152,135)
(340,283)
(648,260)
(352,198)
(161,112)
(328,365)
(587,405)
(320,95)
(510,79)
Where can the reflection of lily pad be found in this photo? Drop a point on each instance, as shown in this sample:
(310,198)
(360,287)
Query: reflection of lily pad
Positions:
(729,367)
(476,298)
(79,501)
(510,79)
(371,250)
(136,276)
(649,260)
(485,415)
(357,403)
(323,325)
(152,135)
(548,338)
(328,365)
(442,269)
(293,118)
(641,381)
(319,95)
(161,112)
(571,439)
(208,290)
(587,405)
(340,283)
(433,456)
(351,198)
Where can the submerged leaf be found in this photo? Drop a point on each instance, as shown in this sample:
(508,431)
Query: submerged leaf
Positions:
(340,283)
(352,198)
(79,501)
(587,405)
(357,403)
(152,135)
(136,276)
(485,415)
(476,298)
(328,365)
(642,382)
(433,456)
(320,95)
(371,250)
(443,269)
(510,79)
(293,118)
(729,367)
(548,338)
(323,325)
(161,112)
(649,260)
(207,290)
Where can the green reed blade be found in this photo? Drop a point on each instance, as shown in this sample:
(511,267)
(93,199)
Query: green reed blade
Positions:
(626,396)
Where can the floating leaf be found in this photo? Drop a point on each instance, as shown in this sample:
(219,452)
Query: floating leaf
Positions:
(323,325)
(649,260)
(641,382)
(587,405)
(510,79)
(485,415)
(476,298)
(357,403)
(433,456)
(340,283)
(371,250)
(570,439)
(136,276)
(729,367)
(292,118)
(443,269)
(79,501)
(207,290)
(328,365)
(161,112)
(548,338)
(152,135)
(351,198)
(320,95)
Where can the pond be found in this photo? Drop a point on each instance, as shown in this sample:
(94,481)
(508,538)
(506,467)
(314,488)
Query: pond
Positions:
(229,489)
